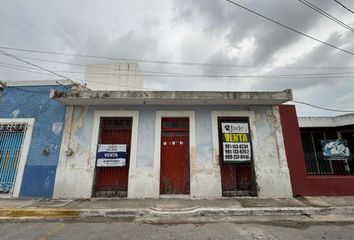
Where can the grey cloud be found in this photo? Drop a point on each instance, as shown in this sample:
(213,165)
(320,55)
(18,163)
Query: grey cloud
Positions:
(319,57)
(135,29)
(220,17)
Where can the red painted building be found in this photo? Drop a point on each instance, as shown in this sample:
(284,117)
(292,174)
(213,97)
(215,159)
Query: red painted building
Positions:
(311,173)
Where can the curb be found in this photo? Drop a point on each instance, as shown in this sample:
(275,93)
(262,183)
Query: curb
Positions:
(38,212)
(13,213)
(202,211)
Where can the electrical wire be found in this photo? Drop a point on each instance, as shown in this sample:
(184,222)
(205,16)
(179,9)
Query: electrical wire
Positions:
(31,80)
(152,61)
(290,28)
(121,85)
(348,9)
(237,66)
(122,59)
(58,82)
(25,70)
(294,101)
(322,108)
(32,64)
(327,15)
(167,73)
(184,75)
(124,70)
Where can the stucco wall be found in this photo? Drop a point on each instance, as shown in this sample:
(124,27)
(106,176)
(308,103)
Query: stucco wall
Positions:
(302,183)
(270,160)
(33,102)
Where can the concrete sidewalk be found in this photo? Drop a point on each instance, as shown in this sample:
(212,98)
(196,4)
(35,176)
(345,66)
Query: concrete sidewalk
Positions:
(177,209)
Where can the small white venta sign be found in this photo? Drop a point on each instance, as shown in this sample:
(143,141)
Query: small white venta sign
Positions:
(111,155)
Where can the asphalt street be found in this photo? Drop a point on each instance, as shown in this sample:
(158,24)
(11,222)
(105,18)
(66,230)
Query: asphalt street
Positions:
(133,230)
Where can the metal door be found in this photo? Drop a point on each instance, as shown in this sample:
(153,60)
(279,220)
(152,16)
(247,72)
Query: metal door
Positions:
(11,140)
(113,181)
(237,179)
(174,173)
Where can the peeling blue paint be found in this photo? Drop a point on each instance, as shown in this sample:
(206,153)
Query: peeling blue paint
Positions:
(49,115)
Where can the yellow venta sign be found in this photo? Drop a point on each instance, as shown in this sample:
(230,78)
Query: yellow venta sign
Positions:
(235,137)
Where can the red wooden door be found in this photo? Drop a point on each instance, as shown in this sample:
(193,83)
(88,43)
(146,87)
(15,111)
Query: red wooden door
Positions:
(113,181)
(174,172)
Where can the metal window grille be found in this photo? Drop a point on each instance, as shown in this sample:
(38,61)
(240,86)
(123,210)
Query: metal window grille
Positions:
(316,163)
(11,141)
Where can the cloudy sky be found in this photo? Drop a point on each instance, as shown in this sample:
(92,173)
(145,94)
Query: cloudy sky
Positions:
(232,41)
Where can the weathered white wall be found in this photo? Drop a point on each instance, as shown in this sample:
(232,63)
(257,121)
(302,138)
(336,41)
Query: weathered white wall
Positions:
(74,177)
(341,120)
(74,171)
(271,166)
(114,77)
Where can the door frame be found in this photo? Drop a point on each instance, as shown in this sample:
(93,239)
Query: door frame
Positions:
(215,133)
(95,137)
(157,149)
(24,151)
(177,130)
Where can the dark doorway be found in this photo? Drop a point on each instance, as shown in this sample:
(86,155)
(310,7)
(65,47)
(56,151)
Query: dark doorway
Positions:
(237,178)
(113,181)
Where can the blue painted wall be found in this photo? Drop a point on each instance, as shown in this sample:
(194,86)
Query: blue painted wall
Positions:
(34,102)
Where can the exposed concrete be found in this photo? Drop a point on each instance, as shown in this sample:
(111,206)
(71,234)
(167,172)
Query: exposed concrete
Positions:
(73,183)
(74,97)
(143,183)
(337,121)
(272,172)
(174,209)
(74,168)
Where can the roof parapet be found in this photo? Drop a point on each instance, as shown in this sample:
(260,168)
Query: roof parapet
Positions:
(86,97)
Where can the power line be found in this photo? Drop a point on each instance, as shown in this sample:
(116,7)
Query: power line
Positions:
(25,70)
(290,28)
(344,6)
(121,85)
(323,75)
(30,80)
(124,70)
(184,75)
(32,64)
(149,61)
(323,108)
(238,66)
(122,59)
(58,81)
(327,15)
